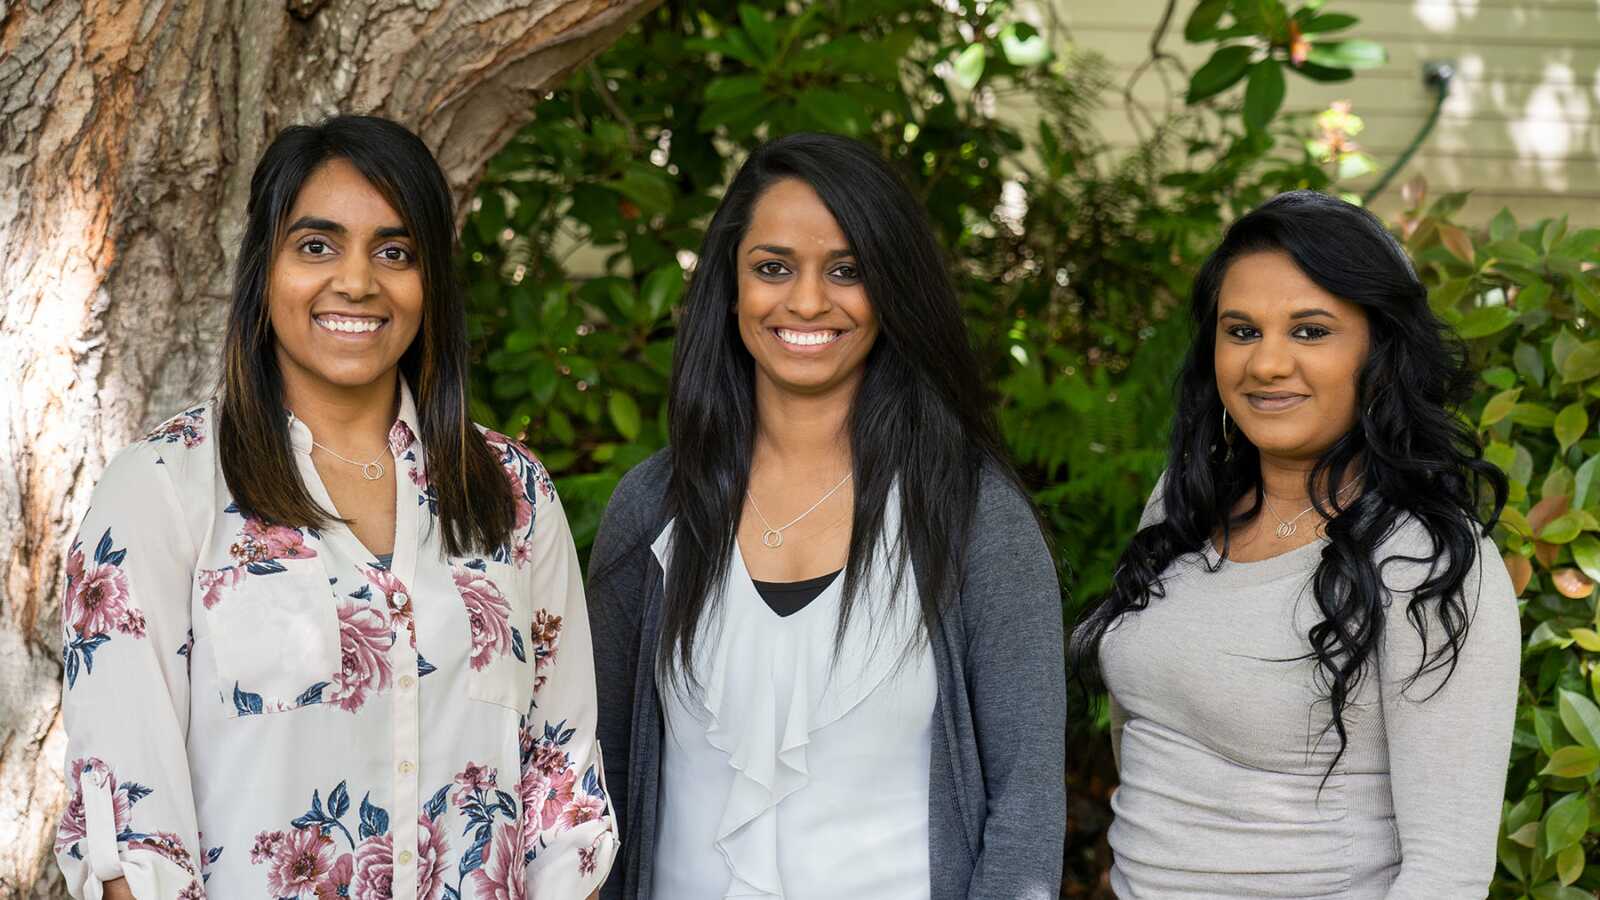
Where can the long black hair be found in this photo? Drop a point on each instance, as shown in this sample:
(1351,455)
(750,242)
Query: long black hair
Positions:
(475,505)
(1411,453)
(921,414)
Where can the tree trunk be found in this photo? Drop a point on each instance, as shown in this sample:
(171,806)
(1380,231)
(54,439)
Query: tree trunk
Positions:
(128,131)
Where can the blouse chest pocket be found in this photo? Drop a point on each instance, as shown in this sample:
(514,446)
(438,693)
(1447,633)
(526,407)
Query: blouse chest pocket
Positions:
(499,616)
(274,639)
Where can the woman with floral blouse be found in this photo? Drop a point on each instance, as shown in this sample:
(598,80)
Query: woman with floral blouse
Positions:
(324,637)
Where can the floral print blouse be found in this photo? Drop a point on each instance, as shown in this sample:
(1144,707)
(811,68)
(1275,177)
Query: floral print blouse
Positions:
(258,711)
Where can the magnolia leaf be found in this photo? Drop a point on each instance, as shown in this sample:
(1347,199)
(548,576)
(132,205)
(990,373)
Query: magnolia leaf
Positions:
(1457,242)
(1562,529)
(1567,819)
(1572,762)
(1581,718)
(1587,638)
(1222,71)
(1520,570)
(1569,864)
(1586,553)
(1571,583)
(1486,320)
(1263,95)
(1498,407)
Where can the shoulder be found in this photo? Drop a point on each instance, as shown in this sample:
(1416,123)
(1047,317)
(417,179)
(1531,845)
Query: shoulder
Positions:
(634,514)
(1006,544)
(1411,554)
(174,450)
(1002,503)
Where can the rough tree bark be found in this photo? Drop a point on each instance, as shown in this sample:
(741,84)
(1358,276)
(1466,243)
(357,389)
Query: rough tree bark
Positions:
(128,129)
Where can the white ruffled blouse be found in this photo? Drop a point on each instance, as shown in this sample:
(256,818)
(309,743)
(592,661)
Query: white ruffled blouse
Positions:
(258,711)
(790,773)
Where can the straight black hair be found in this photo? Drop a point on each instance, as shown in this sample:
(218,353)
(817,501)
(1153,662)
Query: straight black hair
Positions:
(1412,455)
(922,414)
(474,501)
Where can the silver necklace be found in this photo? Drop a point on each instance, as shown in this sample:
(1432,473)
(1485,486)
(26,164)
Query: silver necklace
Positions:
(1286,530)
(371,471)
(772,538)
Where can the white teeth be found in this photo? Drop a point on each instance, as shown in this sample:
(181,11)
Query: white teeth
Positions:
(350,326)
(807,338)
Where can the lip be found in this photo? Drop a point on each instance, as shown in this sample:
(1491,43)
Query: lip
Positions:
(326,319)
(807,349)
(1275,401)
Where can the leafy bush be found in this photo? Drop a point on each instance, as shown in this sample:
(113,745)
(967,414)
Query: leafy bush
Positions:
(1526,296)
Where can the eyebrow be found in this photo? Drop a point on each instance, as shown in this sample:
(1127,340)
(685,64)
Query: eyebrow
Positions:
(1311,313)
(789,251)
(313,223)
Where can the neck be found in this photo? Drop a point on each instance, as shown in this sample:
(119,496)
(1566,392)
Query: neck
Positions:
(350,420)
(799,434)
(1284,482)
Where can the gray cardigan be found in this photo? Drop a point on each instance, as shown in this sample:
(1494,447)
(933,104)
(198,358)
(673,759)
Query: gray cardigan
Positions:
(997,791)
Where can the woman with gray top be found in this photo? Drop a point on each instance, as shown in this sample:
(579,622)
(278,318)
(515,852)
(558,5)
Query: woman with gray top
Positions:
(1311,644)
(826,622)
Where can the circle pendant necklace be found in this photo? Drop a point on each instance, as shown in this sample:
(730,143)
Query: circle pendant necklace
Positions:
(371,471)
(1286,530)
(772,538)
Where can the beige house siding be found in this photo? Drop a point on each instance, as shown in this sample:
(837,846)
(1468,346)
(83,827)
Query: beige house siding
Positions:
(1520,125)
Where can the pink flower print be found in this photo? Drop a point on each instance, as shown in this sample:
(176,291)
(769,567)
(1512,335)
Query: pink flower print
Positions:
(587,861)
(167,845)
(184,426)
(260,542)
(265,847)
(335,885)
(472,779)
(132,622)
(374,870)
(364,642)
(502,876)
(553,796)
(212,581)
(488,613)
(521,552)
(299,861)
(74,825)
(102,599)
(431,865)
(70,611)
(401,437)
(550,759)
(193,892)
(583,808)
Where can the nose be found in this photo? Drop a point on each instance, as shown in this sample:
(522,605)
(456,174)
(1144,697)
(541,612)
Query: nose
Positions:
(809,299)
(1270,359)
(353,279)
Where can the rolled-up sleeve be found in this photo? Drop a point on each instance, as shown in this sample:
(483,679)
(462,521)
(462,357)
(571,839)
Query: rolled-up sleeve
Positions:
(567,814)
(125,643)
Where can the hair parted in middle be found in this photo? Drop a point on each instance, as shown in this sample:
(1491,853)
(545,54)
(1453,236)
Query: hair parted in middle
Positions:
(922,416)
(475,506)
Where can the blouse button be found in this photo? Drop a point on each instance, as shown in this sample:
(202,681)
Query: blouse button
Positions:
(401,598)
(407,767)
(406,681)
(405,857)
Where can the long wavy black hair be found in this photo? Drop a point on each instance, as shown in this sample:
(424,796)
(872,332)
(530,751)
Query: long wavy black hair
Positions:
(1411,453)
(921,413)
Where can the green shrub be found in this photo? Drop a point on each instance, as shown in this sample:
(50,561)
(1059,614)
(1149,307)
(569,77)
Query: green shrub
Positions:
(1526,297)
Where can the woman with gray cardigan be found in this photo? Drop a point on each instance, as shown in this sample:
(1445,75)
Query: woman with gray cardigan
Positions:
(1311,645)
(826,622)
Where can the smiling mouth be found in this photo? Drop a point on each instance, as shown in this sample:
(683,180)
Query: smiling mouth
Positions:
(1275,402)
(349,324)
(807,338)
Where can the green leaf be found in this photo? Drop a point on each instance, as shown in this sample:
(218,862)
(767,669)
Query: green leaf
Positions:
(1498,407)
(1569,864)
(1529,362)
(733,88)
(1325,74)
(1533,415)
(1503,227)
(1582,719)
(1203,21)
(969,65)
(1582,363)
(1565,823)
(760,30)
(1586,294)
(1486,320)
(1534,296)
(624,414)
(1562,529)
(1263,95)
(1023,45)
(1583,490)
(1327,22)
(1572,762)
(1352,54)
(834,111)
(1553,891)
(662,289)
(1570,424)
(1222,71)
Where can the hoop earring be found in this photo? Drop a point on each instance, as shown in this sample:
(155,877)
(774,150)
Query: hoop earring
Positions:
(1227,439)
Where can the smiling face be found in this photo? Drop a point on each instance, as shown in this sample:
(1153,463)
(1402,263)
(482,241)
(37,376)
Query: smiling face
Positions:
(1287,357)
(345,294)
(803,309)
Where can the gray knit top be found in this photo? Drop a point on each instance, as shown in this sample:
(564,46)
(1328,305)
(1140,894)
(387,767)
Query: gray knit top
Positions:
(1223,738)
